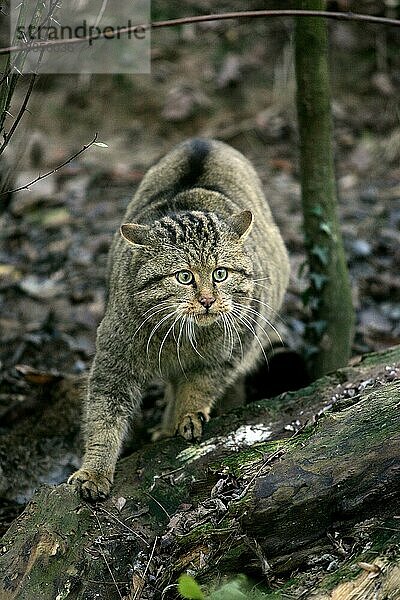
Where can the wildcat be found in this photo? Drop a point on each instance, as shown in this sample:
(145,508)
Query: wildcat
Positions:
(196,275)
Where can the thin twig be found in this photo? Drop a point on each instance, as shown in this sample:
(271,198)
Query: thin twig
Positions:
(21,112)
(251,14)
(103,555)
(14,79)
(8,136)
(277,454)
(159,504)
(140,589)
(39,177)
(142,539)
(111,573)
(10,67)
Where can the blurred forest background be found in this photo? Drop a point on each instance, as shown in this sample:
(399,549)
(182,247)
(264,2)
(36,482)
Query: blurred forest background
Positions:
(232,80)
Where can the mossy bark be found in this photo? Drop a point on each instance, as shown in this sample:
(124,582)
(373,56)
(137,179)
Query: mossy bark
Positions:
(330,330)
(230,504)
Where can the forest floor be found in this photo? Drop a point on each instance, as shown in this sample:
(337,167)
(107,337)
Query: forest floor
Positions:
(229,81)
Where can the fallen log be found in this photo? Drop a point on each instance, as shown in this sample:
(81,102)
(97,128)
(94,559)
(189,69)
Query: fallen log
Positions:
(271,486)
(41,442)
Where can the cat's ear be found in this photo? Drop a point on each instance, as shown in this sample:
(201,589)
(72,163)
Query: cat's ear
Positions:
(138,235)
(241,223)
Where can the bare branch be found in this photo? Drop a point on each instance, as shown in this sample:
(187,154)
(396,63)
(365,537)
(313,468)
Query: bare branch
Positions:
(251,14)
(8,136)
(39,177)
(344,16)
(11,87)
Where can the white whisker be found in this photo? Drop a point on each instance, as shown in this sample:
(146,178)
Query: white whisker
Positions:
(251,318)
(261,285)
(224,328)
(273,311)
(163,303)
(253,311)
(192,336)
(228,333)
(232,322)
(243,320)
(164,340)
(165,318)
(156,312)
(183,317)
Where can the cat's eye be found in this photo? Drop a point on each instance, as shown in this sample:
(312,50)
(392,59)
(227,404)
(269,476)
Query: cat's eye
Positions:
(184,277)
(220,274)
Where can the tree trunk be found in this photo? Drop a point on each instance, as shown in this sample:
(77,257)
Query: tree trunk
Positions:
(252,497)
(330,330)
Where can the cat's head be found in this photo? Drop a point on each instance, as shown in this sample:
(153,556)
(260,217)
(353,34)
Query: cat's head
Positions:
(193,263)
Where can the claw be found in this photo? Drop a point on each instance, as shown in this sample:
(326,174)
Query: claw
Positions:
(191,426)
(91,485)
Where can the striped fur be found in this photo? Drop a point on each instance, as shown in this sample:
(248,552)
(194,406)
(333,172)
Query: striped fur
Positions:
(189,221)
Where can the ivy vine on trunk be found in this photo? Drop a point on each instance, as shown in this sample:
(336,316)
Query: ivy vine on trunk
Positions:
(330,329)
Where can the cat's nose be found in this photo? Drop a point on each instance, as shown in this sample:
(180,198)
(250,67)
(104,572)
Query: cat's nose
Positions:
(207,301)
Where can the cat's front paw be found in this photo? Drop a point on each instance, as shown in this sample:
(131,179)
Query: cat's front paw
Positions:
(190,426)
(91,485)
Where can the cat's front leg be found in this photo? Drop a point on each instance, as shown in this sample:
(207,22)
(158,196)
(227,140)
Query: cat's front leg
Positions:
(112,396)
(104,433)
(193,403)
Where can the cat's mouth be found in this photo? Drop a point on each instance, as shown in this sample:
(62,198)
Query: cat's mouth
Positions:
(209,315)
(206,318)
